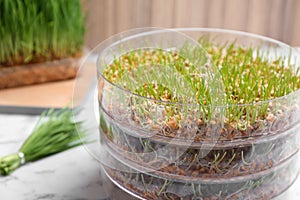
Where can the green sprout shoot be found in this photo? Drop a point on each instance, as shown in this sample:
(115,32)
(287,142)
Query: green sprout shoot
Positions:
(40,30)
(249,77)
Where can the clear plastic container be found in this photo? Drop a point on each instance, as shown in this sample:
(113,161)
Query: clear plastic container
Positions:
(264,185)
(153,156)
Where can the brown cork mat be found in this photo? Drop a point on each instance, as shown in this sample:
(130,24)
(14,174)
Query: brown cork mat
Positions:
(34,99)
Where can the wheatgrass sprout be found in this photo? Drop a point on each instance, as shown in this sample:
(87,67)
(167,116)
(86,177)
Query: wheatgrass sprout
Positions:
(248,77)
(40,30)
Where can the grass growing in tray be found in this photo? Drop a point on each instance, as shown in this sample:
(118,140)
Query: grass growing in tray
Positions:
(248,76)
(40,30)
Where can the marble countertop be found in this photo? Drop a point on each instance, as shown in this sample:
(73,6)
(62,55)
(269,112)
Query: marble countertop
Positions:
(70,175)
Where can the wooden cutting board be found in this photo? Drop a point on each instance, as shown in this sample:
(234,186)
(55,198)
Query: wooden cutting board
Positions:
(34,99)
(54,94)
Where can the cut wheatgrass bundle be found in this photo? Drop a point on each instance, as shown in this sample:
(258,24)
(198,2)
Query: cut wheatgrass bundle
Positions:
(55,131)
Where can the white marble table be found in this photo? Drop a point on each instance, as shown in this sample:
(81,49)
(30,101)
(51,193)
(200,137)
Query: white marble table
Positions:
(70,175)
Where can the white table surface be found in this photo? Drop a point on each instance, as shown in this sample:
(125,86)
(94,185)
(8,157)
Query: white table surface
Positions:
(69,175)
(72,174)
